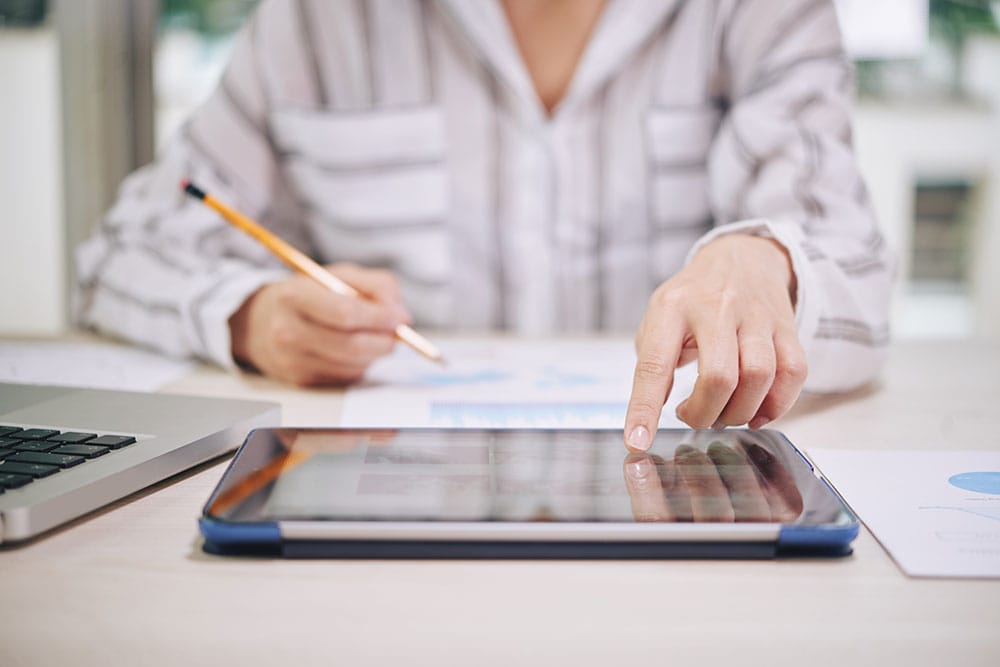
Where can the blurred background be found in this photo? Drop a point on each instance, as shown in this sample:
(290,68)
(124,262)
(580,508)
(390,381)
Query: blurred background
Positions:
(90,88)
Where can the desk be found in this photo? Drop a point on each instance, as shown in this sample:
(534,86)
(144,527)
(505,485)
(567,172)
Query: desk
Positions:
(131,586)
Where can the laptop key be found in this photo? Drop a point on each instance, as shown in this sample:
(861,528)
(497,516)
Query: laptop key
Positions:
(34,434)
(35,445)
(112,441)
(7,430)
(4,453)
(72,437)
(12,481)
(87,451)
(30,469)
(61,460)
(6,443)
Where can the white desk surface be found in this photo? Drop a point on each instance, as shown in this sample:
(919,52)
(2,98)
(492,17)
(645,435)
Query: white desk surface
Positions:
(131,586)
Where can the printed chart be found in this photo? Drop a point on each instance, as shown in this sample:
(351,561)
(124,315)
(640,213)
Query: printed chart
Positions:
(512,383)
(936,513)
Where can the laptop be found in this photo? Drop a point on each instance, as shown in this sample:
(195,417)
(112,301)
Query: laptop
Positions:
(66,451)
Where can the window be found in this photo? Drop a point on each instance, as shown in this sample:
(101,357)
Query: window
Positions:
(193,44)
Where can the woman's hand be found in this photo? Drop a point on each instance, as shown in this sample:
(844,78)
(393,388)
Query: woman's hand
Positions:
(299,332)
(731,308)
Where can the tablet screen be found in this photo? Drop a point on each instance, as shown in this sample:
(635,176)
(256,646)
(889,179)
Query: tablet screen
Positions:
(521,476)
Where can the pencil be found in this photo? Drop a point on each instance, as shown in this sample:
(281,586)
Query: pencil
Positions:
(303,263)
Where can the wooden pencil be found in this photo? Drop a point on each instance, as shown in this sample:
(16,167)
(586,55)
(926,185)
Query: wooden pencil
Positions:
(304,264)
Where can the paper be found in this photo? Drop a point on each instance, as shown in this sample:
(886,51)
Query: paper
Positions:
(103,366)
(936,513)
(507,383)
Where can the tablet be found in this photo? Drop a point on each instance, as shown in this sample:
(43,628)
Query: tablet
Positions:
(462,493)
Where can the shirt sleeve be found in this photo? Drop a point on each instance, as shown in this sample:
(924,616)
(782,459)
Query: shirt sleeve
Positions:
(162,269)
(782,166)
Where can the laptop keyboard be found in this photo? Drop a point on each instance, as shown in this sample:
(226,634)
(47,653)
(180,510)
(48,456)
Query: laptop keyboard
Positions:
(27,454)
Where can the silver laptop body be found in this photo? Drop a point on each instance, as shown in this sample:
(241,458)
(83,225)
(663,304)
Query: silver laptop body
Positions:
(173,433)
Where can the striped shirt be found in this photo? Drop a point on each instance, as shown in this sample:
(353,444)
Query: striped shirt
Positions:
(407,134)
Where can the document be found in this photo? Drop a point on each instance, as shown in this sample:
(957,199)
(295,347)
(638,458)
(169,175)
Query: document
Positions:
(97,365)
(506,383)
(936,513)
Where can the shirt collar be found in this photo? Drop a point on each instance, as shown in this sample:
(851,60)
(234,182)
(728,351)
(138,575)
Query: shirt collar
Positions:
(624,27)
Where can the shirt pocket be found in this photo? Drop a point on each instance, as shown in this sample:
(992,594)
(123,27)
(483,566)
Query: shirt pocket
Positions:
(678,141)
(374,188)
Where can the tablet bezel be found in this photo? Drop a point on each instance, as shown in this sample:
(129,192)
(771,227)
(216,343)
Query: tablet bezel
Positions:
(463,539)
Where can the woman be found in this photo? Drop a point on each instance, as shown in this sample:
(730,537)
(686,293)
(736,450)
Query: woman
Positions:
(536,166)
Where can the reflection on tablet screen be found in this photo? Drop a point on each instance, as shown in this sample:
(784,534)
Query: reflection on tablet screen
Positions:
(529,475)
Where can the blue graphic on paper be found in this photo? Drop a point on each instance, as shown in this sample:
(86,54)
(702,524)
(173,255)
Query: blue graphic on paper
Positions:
(453,379)
(553,378)
(546,378)
(977,482)
(445,413)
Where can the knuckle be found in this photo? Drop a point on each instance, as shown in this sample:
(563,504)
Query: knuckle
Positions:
(338,309)
(285,295)
(286,335)
(643,407)
(719,380)
(346,314)
(363,348)
(794,371)
(652,367)
(757,375)
(730,299)
(669,297)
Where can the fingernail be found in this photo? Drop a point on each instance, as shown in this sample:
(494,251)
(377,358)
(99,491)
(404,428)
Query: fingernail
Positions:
(718,426)
(639,438)
(758,422)
(638,469)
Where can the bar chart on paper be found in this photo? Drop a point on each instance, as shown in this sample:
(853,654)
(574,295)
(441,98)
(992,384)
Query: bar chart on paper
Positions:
(506,384)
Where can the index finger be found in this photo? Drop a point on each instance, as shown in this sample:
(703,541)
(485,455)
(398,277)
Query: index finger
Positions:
(346,313)
(377,284)
(652,381)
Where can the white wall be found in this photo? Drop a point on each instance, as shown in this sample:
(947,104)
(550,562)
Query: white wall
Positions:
(32,261)
(899,144)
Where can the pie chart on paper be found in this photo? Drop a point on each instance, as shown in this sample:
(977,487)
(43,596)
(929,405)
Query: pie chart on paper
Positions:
(977,482)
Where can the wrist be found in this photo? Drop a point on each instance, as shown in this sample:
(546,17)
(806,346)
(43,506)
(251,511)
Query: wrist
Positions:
(783,259)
